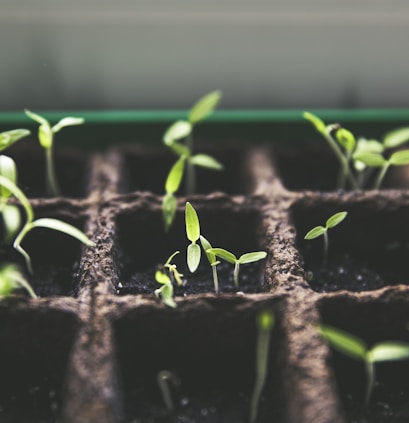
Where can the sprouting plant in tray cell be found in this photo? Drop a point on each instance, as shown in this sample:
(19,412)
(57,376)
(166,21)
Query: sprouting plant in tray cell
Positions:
(237,261)
(172,269)
(46,134)
(318,231)
(356,349)
(187,158)
(212,261)
(165,292)
(265,324)
(164,379)
(11,279)
(193,235)
(31,223)
(358,157)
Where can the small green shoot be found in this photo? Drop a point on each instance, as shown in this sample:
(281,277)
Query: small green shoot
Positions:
(8,138)
(165,377)
(231,258)
(10,212)
(193,235)
(318,231)
(265,324)
(172,269)
(355,348)
(11,279)
(46,134)
(212,261)
(166,290)
(31,224)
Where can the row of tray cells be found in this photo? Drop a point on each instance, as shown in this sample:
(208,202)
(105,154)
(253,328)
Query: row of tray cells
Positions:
(367,251)
(212,351)
(300,167)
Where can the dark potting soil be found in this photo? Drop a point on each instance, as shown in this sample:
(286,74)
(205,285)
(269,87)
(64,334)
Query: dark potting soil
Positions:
(251,280)
(216,406)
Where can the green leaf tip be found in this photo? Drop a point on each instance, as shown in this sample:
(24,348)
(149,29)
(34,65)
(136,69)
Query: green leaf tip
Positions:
(265,320)
(316,122)
(178,130)
(204,106)
(396,138)
(315,232)
(336,219)
(192,223)
(252,257)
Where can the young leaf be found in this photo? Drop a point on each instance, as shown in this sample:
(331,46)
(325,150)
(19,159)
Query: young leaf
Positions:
(399,158)
(371,159)
(315,232)
(346,139)
(223,254)
(396,138)
(12,221)
(63,227)
(37,118)
(178,130)
(252,257)
(204,160)
(45,136)
(344,342)
(168,210)
(193,257)
(316,121)
(167,295)
(336,219)
(180,149)
(175,176)
(67,121)
(161,277)
(8,138)
(207,246)
(8,170)
(192,223)
(389,351)
(202,108)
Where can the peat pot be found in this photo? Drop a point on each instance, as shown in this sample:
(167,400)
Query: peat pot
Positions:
(90,348)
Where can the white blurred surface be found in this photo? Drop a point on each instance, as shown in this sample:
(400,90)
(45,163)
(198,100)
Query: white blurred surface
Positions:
(164,54)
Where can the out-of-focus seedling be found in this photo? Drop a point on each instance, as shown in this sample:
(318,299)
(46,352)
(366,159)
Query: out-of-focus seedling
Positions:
(212,261)
(356,348)
(318,231)
(243,259)
(265,324)
(172,269)
(164,378)
(31,224)
(46,134)
(173,138)
(8,138)
(166,290)
(11,278)
(193,235)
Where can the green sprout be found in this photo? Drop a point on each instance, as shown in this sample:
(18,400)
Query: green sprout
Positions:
(193,235)
(163,378)
(46,134)
(31,224)
(166,290)
(180,130)
(318,231)
(265,323)
(11,279)
(356,348)
(243,259)
(10,212)
(172,269)
(8,138)
(212,261)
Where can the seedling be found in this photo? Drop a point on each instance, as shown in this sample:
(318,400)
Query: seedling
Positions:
(243,259)
(265,324)
(8,138)
(46,134)
(356,348)
(166,290)
(30,223)
(172,269)
(10,212)
(318,231)
(11,279)
(164,378)
(183,129)
(193,235)
(212,260)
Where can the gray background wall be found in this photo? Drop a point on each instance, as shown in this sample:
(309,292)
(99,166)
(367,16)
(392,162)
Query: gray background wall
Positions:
(83,54)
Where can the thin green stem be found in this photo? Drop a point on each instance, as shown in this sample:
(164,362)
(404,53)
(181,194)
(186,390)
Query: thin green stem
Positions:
(17,245)
(325,248)
(52,187)
(164,377)
(28,288)
(236,274)
(370,374)
(381,175)
(215,278)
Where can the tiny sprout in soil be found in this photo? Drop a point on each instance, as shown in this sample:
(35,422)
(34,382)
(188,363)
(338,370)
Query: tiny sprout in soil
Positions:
(46,134)
(243,259)
(265,324)
(357,158)
(212,261)
(318,231)
(165,377)
(30,223)
(355,348)
(193,235)
(11,279)
(183,129)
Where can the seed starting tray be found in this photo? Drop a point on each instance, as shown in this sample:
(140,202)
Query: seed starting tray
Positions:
(89,351)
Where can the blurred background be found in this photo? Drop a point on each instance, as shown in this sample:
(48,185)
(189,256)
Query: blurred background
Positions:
(154,54)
